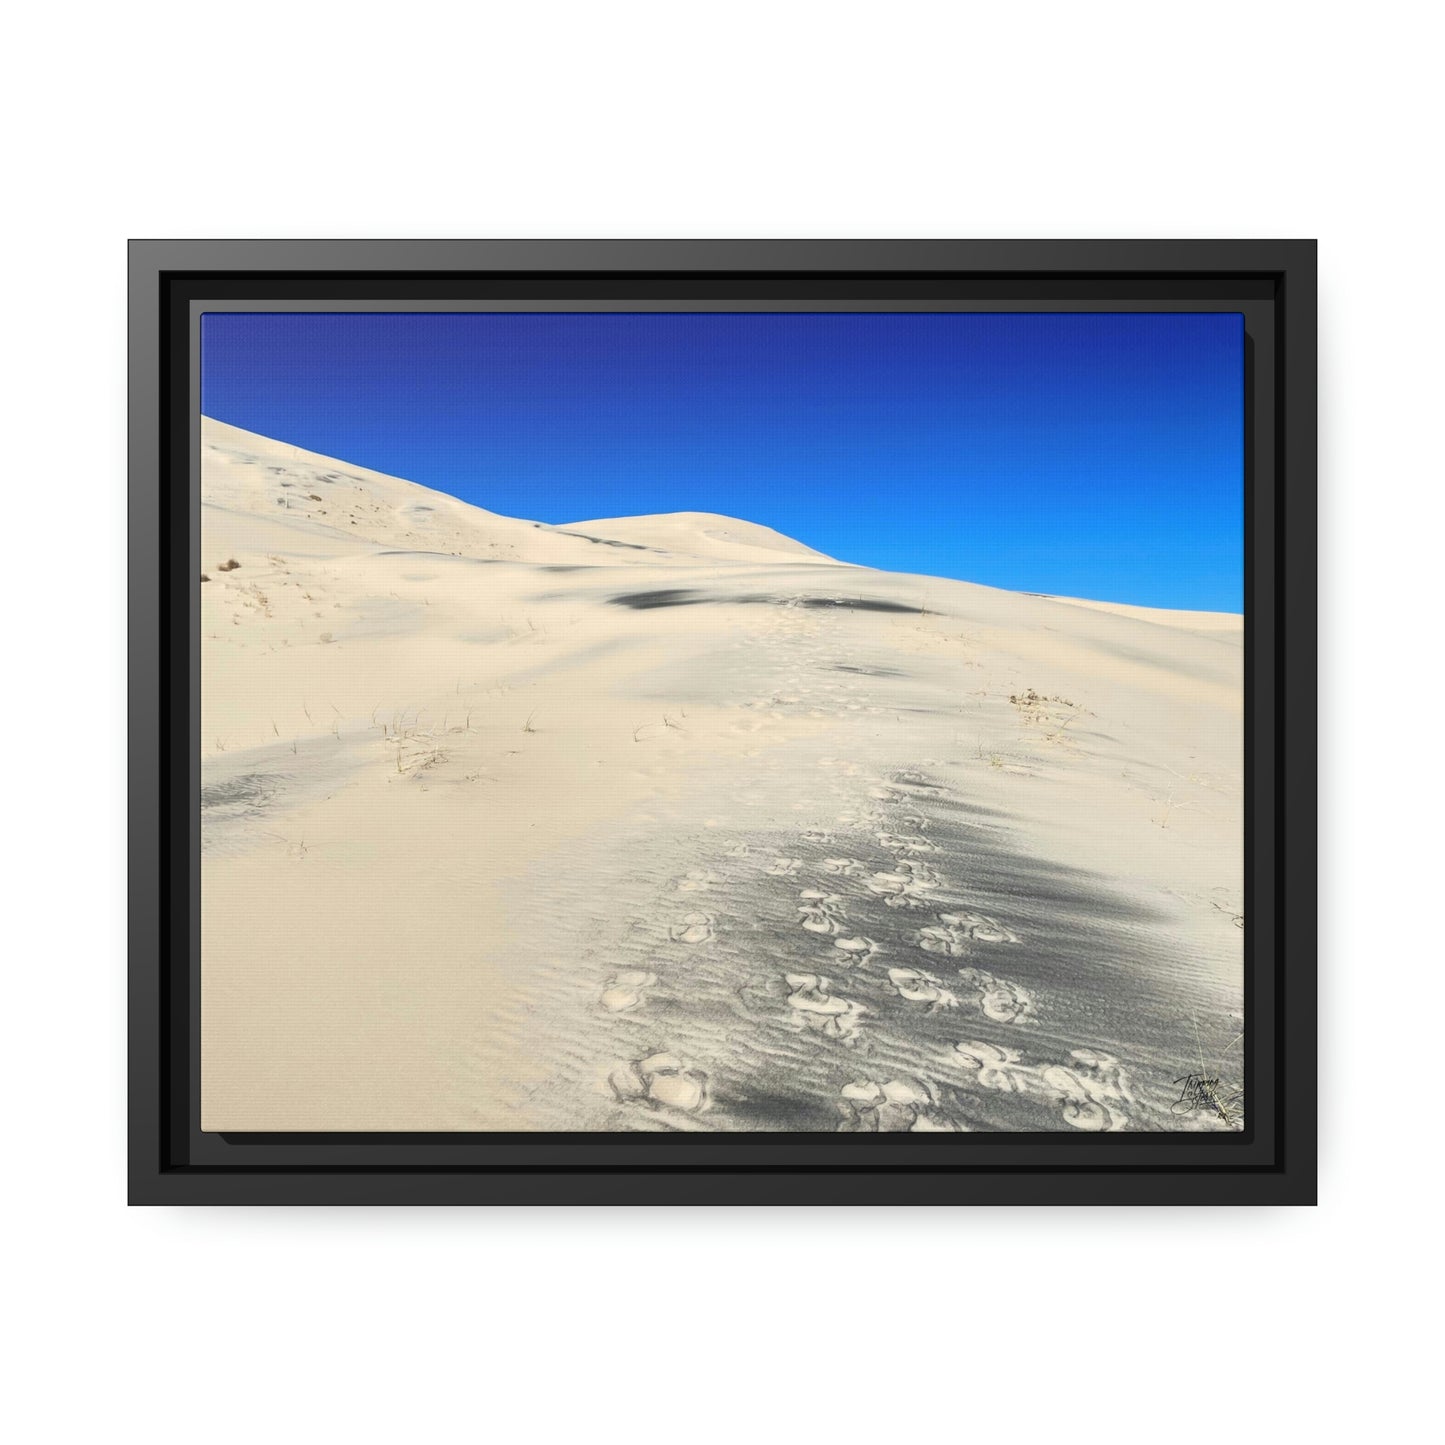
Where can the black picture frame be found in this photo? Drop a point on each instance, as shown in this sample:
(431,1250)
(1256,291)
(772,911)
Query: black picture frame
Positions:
(1273,1161)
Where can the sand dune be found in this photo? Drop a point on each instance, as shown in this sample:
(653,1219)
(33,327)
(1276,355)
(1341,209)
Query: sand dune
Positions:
(673,823)
(700,535)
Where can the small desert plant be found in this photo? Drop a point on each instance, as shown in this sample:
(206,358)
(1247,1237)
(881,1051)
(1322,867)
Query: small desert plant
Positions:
(1037,700)
(1237,919)
(1057,713)
(1064,724)
(527,726)
(204,578)
(418,759)
(228,566)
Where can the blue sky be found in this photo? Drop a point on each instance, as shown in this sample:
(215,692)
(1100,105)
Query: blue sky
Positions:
(1087,455)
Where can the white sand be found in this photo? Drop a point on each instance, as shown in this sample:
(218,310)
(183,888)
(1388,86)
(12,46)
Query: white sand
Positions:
(485,847)
(1198,621)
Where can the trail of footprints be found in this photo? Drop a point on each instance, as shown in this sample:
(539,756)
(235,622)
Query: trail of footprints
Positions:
(1093,1090)
(881,960)
(855,982)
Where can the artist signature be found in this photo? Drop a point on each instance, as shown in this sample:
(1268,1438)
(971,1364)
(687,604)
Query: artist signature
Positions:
(1200,1091)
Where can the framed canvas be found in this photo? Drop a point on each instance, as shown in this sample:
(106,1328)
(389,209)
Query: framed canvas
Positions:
(722,722)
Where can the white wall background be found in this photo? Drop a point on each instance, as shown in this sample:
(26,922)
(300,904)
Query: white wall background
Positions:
(749,119)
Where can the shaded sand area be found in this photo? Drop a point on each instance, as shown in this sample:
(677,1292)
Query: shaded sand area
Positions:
(672,823)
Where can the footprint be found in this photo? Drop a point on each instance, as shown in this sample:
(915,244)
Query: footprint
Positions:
(1079,1110)
(904,885)
(997,1068)
(697,880)
(844,867)
(993,933)
(950,941)
(918,987)
(979,927)
(1096,1059)
(905,844)
(694,928)
(1091,1093)
(955,931)
(859,949)
(818,1010)
(1000,1000)
(1006,1003)
(661,1079)
(624,990)
(890,884)
(762,996)
(896,1107)
(785,867)
(937,1124)
(819,912)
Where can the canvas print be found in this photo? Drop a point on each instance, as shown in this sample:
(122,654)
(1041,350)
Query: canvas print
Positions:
(707,721)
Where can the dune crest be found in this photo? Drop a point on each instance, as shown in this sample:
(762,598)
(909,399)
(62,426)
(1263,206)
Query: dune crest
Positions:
(251,474)
(702,535)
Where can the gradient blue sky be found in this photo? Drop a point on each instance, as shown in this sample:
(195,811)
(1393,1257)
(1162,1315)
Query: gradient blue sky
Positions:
(1087,455)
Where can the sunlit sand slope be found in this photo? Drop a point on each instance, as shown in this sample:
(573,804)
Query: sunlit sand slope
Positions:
(672,823)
